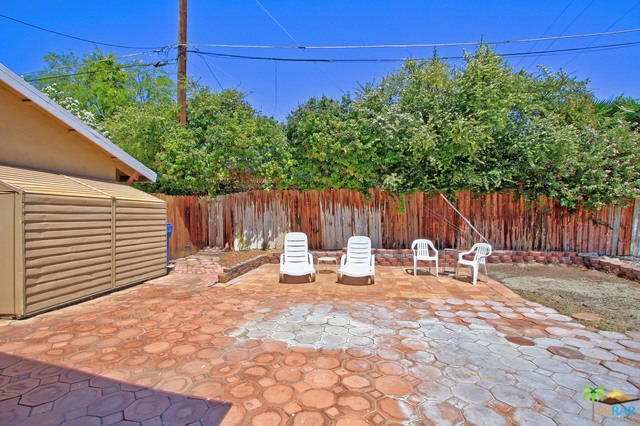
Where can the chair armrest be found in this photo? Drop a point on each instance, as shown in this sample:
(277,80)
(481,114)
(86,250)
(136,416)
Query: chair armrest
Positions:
(464,253)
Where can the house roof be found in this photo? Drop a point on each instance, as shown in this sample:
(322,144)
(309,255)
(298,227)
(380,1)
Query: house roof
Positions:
(130,164)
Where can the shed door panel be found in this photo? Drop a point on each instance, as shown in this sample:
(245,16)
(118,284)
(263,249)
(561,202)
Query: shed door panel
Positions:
(7,252)
(141,241)
(67,248)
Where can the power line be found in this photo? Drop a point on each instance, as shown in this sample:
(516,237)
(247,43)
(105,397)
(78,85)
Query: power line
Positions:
(59,77)
(540,53)
(610,26)
(115,58)
(392,46)
(279,24)
(275,78)
(210,70)
(73,37)
(299,46)
(240,83)
(566,28)
(548,28)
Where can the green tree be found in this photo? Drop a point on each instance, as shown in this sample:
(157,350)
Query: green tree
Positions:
(73,106)
(486,127)
(225,146)
(331,146)
(143,131)
(102,84)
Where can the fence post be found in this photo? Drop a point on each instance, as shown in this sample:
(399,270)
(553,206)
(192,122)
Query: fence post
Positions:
(635,229)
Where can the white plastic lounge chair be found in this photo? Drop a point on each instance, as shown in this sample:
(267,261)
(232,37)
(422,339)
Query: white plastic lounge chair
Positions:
(482,251)
(421,252)
(358,262)
(296,259)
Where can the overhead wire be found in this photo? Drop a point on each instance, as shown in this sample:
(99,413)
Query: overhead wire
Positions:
(240,83)
(62,76)
(608,28)
(547,29)
(158,52)
(74,37)
(565,29)
(275,96)
(210,70)
(540,53)
(298,44)
(392,46)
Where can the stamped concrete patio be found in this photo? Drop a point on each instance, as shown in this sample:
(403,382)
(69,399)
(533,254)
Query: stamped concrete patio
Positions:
(406,350)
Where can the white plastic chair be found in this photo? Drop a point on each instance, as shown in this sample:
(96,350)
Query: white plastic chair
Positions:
(358,262)
(296,259)
(421,252)
(482,251)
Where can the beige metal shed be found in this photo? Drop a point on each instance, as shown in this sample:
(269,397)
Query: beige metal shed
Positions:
(66,238)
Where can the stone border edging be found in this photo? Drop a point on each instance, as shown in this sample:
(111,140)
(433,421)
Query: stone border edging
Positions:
(404,257)
(231,272)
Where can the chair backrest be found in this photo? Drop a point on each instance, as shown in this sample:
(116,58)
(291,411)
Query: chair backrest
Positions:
(482,252)
(359,250)
(296,249)
(422,248)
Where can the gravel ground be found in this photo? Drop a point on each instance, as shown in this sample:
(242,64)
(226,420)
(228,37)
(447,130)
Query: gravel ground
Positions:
(572,290)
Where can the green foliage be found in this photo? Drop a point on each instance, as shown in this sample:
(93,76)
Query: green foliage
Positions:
(143,131)
(73,106)
(225,146)
(102,84)
(427,127)
(623,107)
(487,128)
(329,147)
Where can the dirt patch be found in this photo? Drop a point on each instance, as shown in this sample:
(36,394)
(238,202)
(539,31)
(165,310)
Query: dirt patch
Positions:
(572,290)
(232,258)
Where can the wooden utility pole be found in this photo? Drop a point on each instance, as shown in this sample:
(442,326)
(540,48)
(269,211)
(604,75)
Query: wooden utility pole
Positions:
(182,61)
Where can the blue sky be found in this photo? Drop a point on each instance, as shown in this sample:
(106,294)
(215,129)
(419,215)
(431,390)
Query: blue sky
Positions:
(277,88)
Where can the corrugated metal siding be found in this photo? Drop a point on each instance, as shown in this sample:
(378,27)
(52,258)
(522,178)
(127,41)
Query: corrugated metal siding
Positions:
(7,251)
(44,183)
(83,237)
(119,190)
(67,248)
(141,240)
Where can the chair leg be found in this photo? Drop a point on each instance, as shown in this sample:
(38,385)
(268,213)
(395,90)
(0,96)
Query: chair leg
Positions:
(457,269)
(415,264)
(475,274)
(436,267)
(485,272)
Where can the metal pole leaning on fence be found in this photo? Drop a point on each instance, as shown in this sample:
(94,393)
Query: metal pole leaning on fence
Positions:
(465,219)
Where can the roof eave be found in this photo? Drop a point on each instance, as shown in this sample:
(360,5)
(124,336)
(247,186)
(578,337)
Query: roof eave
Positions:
(44,102)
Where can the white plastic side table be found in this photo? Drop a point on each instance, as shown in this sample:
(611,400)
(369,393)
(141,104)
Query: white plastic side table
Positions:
(446,252)
(327,260)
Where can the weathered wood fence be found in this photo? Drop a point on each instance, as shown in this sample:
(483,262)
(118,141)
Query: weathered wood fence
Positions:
(259,219)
